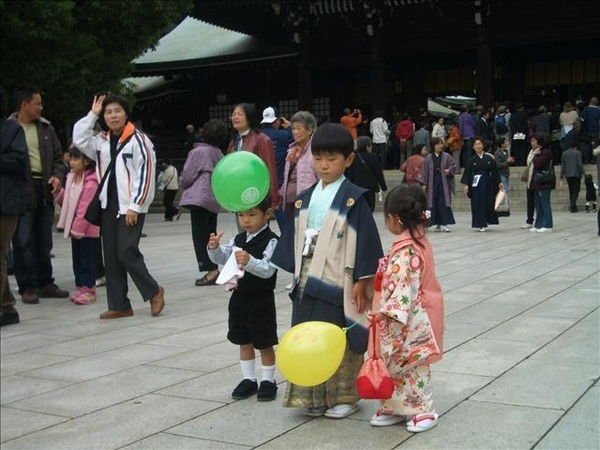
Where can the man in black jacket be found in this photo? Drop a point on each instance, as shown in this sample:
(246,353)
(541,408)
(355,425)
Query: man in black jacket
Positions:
(13,163)
(32,242)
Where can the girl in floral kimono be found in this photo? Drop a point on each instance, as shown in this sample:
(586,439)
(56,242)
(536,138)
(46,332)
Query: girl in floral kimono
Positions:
(408,311)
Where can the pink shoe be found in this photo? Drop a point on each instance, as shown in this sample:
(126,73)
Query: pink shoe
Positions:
(75,294)
(86,296)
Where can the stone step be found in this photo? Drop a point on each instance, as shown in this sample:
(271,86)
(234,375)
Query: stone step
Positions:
(460,202)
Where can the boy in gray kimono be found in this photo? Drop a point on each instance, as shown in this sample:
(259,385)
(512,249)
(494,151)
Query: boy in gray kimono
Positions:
(333,250)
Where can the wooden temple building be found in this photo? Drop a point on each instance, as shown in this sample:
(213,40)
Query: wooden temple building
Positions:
(388,55)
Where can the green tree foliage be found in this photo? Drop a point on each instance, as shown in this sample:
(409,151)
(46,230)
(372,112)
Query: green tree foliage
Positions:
(73,49)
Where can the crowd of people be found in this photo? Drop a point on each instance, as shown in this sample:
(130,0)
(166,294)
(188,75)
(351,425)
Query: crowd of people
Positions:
(324,183)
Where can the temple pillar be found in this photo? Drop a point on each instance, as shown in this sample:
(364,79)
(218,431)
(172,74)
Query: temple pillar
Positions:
(378,84)
(484,76)
(305,85)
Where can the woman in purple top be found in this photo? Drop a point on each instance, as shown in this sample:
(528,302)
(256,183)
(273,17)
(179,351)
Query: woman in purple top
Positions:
(198,196)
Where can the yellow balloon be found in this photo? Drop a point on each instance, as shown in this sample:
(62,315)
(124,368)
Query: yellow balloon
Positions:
(311,352)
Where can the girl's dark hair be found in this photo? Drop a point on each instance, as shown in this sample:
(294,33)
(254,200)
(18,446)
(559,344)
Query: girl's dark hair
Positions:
(542,139)
(76,153)
(332,138)
(114,98)
(407,203)
(214,132)
(250,112)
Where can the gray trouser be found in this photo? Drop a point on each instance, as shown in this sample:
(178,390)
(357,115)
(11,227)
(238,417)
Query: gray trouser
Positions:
(122,256)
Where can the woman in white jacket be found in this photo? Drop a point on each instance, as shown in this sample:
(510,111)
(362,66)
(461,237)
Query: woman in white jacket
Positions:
(126,195)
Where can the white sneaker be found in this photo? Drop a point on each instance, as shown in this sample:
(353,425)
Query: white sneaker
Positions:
(288,287)
(545,230)
(101,281)
(483,230)
(422,422)
(445,229)
(527,226)
(341,411)
(533,229)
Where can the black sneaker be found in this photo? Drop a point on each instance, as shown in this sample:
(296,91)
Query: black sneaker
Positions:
(267,391)
(245,389)
(9,318)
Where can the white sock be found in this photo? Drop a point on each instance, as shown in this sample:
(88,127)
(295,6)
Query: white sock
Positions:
(248,369)
(268,373)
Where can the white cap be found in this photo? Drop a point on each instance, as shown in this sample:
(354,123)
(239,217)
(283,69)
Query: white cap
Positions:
(269,115)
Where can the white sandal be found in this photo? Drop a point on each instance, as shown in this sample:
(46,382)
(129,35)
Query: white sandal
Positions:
(381,419)
(422,422)
(341,411)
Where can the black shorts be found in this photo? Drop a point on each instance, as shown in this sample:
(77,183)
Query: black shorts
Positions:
(252,319)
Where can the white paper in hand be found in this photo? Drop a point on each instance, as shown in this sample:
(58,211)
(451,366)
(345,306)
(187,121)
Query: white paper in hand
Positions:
(231,272)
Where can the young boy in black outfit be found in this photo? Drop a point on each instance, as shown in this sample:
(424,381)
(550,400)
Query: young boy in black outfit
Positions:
(252,323)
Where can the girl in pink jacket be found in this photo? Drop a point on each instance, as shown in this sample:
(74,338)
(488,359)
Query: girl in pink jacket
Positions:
(75,198)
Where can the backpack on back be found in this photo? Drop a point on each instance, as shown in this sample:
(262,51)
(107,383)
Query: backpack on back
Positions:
(501,127)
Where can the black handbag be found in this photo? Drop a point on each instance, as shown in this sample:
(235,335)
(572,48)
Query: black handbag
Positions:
(543,176)
(93,214)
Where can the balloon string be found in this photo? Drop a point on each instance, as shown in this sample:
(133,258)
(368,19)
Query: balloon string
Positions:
(354,324)
(233,224)
(347,328)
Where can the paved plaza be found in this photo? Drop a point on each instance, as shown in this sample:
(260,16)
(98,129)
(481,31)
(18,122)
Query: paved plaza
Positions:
(520,370)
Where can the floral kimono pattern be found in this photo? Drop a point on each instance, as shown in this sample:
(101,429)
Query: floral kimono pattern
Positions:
(406,338)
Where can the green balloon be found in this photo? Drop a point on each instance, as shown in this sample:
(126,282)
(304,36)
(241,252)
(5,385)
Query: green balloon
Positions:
(240,181)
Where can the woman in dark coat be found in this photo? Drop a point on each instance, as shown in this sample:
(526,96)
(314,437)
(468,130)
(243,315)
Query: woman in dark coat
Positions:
(482,182)
(437,178)
(13,163)
(542,158)
(365,170)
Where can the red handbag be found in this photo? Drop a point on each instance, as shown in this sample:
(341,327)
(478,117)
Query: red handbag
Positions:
(374,380)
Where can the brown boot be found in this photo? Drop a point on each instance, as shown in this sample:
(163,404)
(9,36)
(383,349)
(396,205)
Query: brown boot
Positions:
(157,303)
(52,291)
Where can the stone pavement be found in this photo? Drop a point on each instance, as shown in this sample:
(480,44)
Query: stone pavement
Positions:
(520,370)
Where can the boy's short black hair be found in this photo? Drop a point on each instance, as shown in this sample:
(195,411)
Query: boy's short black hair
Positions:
(264,205)
(332,138)
(76,153)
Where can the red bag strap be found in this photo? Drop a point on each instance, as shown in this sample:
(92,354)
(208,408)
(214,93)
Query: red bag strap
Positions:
(373,340)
